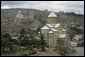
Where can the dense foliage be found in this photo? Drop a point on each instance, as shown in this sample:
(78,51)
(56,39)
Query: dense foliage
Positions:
(62,50)
(75,30)
(26,41)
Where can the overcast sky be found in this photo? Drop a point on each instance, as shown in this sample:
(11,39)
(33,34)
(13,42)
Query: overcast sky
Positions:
(66,6)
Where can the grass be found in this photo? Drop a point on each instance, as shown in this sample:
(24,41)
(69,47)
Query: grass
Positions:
(18,53)
(21,53)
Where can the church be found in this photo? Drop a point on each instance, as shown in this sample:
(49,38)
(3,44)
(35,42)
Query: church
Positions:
(53,31)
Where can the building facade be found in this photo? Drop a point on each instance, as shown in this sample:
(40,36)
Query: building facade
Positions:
(53,31)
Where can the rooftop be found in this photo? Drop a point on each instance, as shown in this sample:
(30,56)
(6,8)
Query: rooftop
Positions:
(49,25)
(45,27)
(53,29)
(62,35)
(51,32)
(19,16)
(64,30)
(52,14)
(56,25)
(73,42)
(53,25)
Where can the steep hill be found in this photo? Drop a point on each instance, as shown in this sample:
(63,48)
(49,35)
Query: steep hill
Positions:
(33,18)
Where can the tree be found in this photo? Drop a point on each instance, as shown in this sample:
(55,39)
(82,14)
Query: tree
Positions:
(6,35)
(71,33)
(22,33)
(42,42)
(6,42)
(74,30)
(27,41)
(38,29)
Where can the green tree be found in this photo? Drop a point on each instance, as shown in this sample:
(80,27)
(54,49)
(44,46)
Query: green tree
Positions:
(6,43)
(27,38)
(43,42)
(22,33)
(21,36)
(71,33)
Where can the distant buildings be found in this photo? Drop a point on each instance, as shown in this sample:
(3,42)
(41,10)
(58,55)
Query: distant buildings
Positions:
(15,38)
(76,40)
(73,44)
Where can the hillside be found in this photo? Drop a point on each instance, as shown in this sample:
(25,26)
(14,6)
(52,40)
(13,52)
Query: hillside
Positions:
(33,18)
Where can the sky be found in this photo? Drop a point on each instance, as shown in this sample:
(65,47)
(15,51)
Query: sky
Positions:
(66,6)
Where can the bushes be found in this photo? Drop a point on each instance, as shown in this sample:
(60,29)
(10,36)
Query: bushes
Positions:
(24,54)
(25,42)
(62,49)
(71,33)
(81,43)
(7,43)
(33,51)
(75,30)
(28,52)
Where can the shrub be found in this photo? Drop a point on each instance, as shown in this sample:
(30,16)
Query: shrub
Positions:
(62,49)
(24,54)
(81,43)
(30,52)
(33,52)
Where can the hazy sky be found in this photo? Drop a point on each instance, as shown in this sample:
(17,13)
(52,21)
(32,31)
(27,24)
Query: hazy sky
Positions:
(66,6)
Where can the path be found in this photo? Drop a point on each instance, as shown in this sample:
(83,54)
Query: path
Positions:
(47,53)
(80,51)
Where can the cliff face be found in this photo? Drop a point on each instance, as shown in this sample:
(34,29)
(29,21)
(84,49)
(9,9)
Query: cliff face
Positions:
(33,18)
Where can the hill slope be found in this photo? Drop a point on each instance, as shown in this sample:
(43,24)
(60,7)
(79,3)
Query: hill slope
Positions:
(33,18)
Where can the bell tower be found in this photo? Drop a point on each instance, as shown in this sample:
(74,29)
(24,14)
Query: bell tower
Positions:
(52,18)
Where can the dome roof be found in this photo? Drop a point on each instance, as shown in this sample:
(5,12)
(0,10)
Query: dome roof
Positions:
(19,16)
(52,14)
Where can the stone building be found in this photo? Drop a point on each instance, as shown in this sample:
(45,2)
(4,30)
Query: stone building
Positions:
(53,31)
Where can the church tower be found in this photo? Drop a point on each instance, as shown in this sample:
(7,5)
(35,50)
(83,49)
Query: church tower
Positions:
(53,31)
(52,18)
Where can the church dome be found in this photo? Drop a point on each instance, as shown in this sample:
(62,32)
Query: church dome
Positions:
(19,16)
(52,14)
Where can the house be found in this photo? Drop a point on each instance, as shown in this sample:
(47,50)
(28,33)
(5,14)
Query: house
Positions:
(76,38)
(15,38)
(73,44)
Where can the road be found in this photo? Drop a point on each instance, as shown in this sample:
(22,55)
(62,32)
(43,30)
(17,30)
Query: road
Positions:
(47,53)
(80,51)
